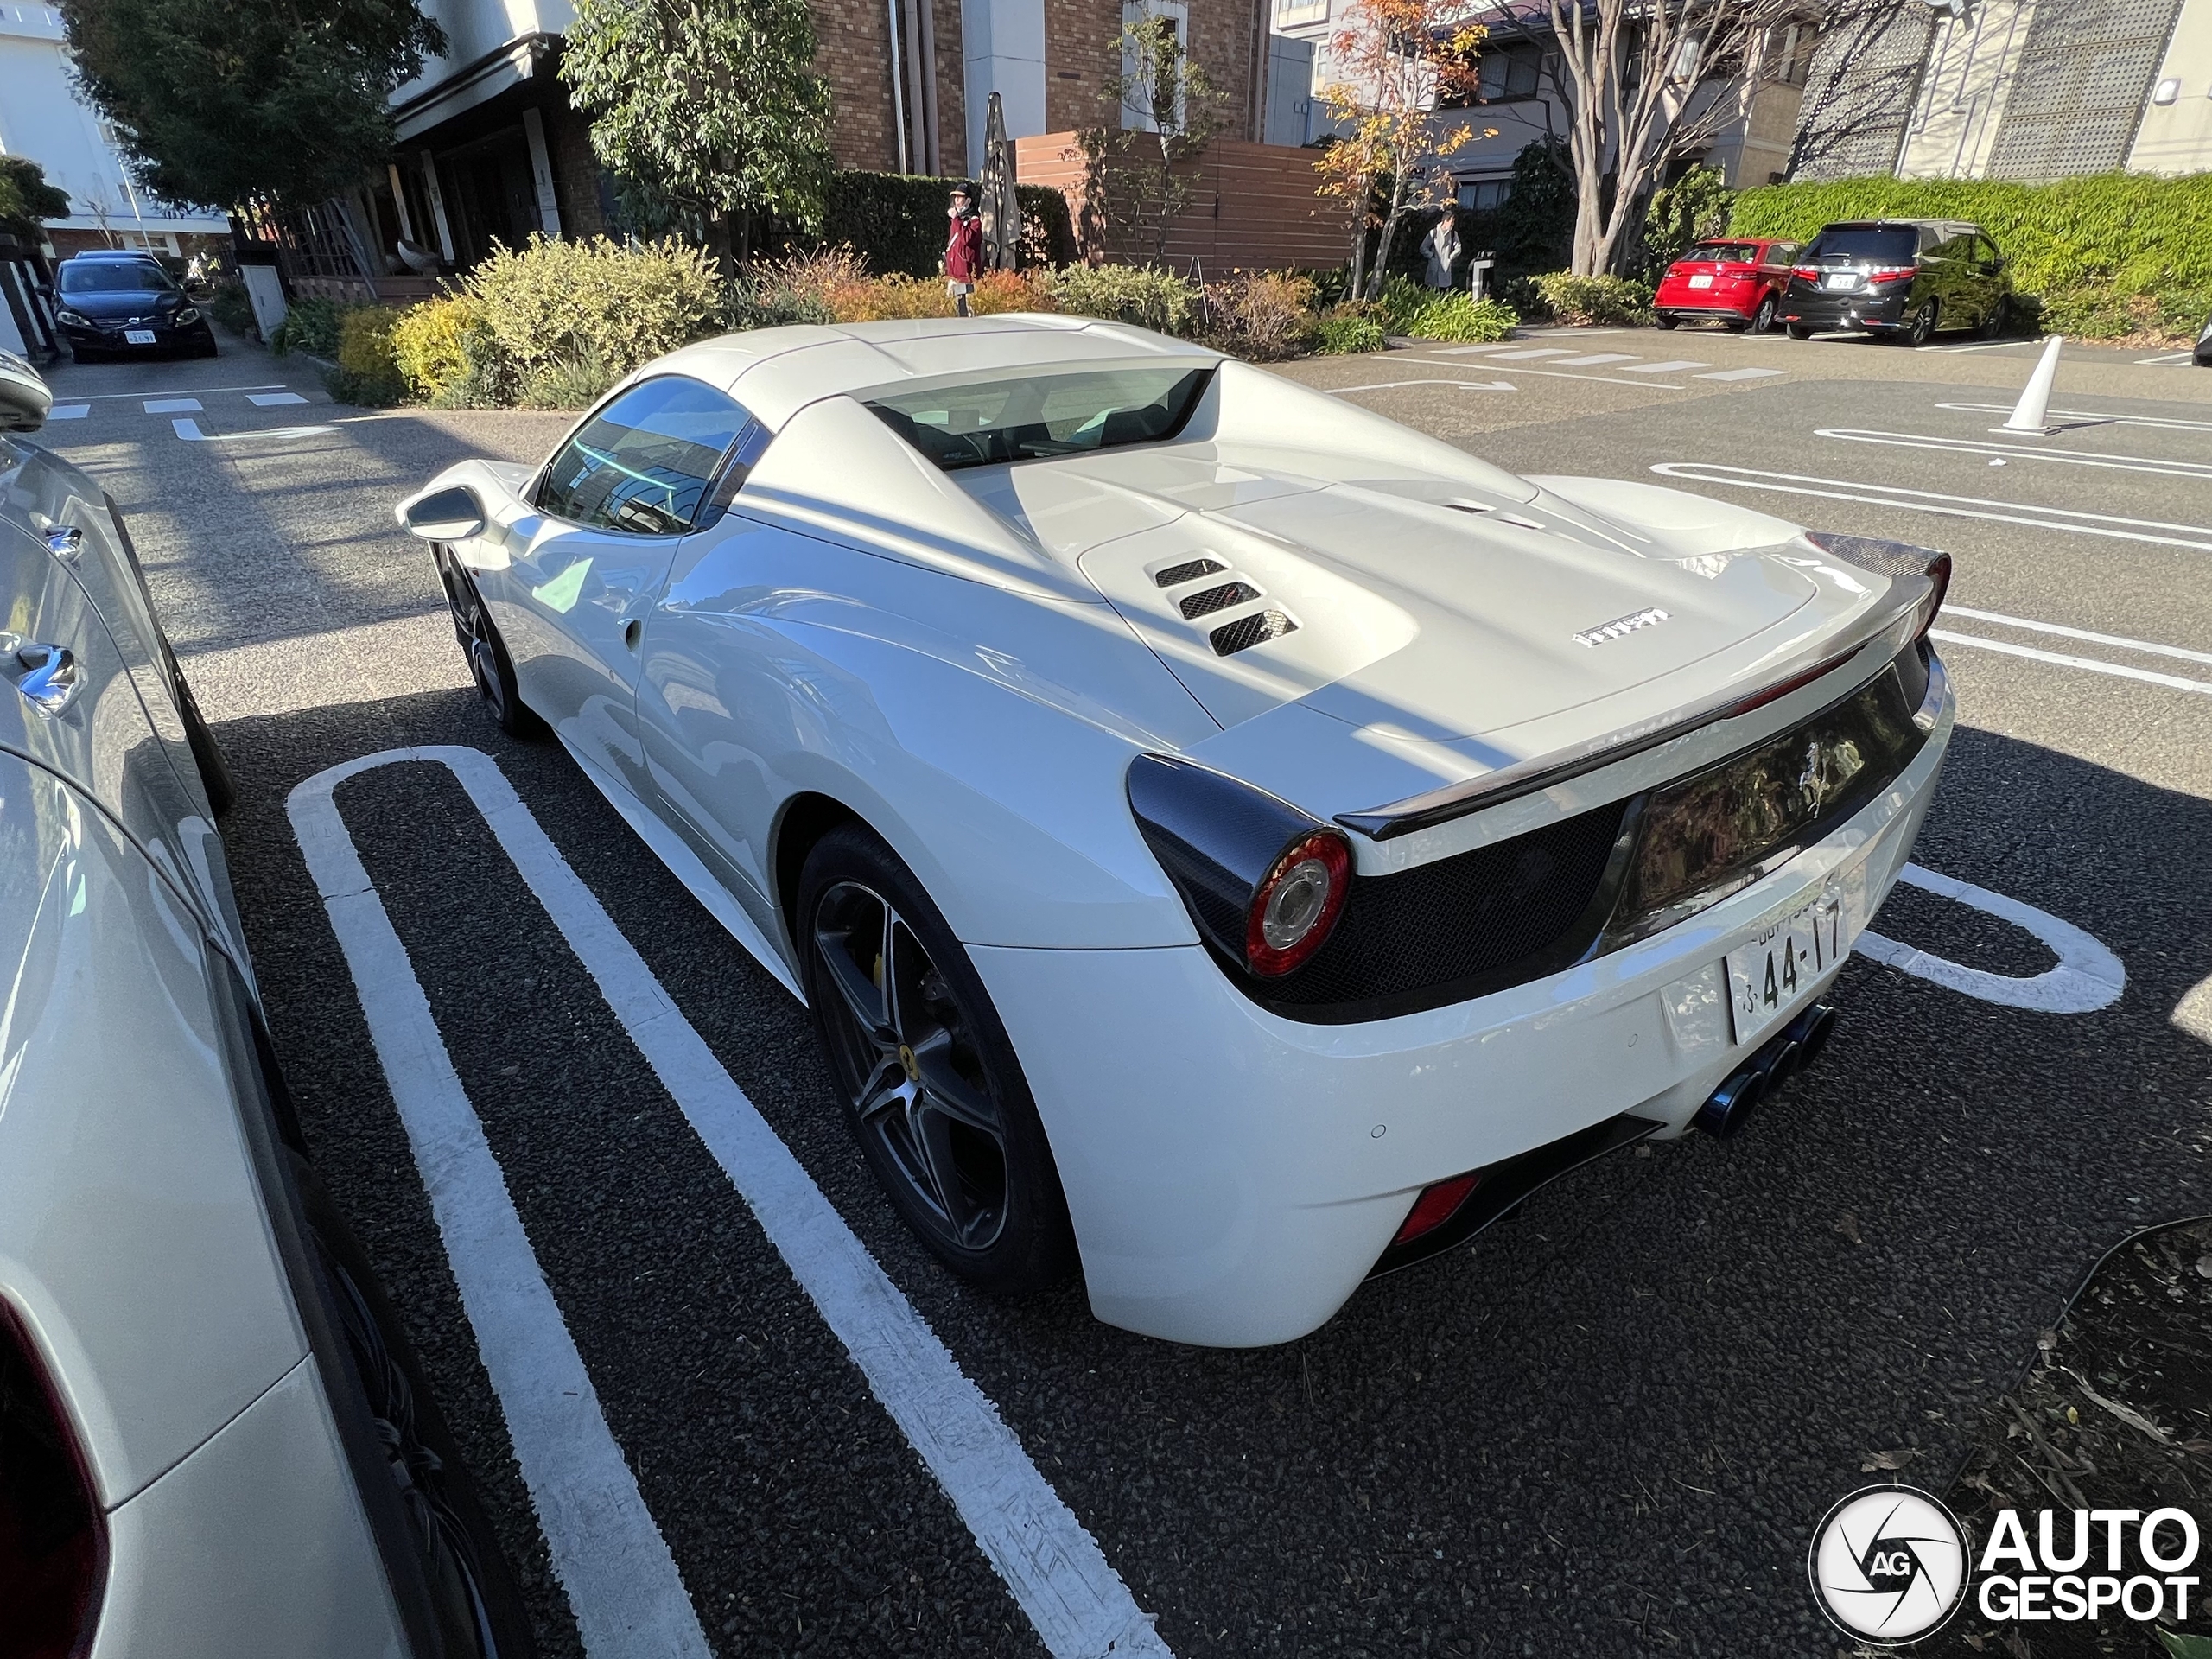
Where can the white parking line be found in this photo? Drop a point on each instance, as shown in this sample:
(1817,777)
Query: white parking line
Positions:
(2120,641)
(1052,1564)
(622,1585)
(180,391)
(1740,374)
(68,412)
(2171,360)
(187,429)
(1462,386)
(2198,537)
(1672,366)
(1594,358)
(2086,977)
(172,405)
(1540,350)
(1558,371)
(1988,345)
(2169,424)
(2094,665)
(270,399)
(1472,351)
(2011,451)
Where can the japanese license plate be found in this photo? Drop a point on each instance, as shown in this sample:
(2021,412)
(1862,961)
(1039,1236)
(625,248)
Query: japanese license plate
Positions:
(1768,977)
(137,336)
(1840,279)
(1703,279)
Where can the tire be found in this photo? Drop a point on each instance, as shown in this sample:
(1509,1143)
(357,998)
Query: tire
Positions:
(87,355)
(489,665)
(207,753)
(1762,321)
(1799,330)
(1666,321)
(932,1090)
(1999,315)
(472,1593)
(1921,329)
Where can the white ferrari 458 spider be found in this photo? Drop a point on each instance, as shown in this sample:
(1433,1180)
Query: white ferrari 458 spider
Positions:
(1227,839)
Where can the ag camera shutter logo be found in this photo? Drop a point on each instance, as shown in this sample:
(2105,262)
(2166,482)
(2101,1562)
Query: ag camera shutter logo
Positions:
(1889,1564)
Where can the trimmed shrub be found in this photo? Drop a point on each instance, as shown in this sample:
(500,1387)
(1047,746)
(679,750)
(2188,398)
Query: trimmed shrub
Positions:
(229,306)
(367,372)
(1459,316)
(896,221)
(593,302)
(433,344)
(1348,332)
(1263,315)
(310,326)
(1143,295)
(1612,301)
(2104,255)
(566,383)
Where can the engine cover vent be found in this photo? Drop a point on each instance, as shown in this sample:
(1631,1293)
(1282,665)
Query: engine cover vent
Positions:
(1218,599)
(1189,570)
(1249,630)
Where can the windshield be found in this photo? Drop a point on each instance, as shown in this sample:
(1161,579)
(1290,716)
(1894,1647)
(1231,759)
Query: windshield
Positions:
(1890,245)
(975,423)
(1742,253)
(115,277)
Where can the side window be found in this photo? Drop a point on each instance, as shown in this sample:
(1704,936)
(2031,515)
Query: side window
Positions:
(643,463)
(1781,253)
(1986,250)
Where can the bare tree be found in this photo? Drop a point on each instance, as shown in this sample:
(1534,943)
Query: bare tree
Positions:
(1644,81)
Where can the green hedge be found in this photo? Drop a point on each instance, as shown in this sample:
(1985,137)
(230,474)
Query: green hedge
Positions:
(897,221)
(2105,255)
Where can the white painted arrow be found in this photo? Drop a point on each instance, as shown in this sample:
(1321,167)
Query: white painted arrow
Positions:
(188,430)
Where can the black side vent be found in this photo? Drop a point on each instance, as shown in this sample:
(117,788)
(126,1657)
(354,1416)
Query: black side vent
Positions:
(1189,570)
(1249,630)
(1468,507)
(1218,599)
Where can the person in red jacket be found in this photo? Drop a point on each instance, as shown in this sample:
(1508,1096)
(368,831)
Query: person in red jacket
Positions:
(963,252)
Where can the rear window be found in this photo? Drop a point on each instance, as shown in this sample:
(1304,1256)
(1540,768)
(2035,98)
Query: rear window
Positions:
(114,277)
(1035,417)
(1892,245)
(1741,253)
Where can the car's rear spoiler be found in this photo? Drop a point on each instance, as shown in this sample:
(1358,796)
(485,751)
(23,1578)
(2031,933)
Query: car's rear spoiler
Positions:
(1918,578)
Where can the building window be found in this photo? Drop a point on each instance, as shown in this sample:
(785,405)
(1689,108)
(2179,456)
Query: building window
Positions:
(1291,13)
(1510,72)
(1483,195)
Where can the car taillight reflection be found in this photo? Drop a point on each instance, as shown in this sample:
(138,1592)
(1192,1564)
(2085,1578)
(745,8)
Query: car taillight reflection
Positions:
(53,1544)
(1890,273)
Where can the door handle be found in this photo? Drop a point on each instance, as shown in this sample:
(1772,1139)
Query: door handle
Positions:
(47,675)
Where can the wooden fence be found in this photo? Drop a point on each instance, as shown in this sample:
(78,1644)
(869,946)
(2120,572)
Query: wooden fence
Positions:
(1252,206)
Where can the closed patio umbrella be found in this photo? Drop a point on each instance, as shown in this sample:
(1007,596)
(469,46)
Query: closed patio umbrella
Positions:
(1001,212)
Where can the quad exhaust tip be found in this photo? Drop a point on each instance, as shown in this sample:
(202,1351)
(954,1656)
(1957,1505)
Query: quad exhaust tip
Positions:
(1780,1059)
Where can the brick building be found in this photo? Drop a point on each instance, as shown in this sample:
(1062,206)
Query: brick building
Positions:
(490,149)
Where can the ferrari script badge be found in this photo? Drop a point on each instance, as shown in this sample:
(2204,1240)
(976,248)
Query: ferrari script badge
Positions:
(1619,626)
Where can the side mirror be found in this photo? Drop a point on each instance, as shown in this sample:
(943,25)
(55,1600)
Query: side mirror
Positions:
(24,397)
(451,515)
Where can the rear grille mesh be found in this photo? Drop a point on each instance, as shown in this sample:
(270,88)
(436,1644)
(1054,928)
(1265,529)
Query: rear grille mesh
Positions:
(1190,570)
(1218,599)
(1249,630)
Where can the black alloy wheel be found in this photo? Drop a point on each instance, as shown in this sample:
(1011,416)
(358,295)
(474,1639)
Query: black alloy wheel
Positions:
(489,665)
(1917,333)
(1800,331)
(471,1593)
(1999,315)
(1763,318)
(932,1087)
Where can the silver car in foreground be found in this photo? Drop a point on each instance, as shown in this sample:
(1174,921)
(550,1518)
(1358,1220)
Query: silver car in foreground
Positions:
(212,1439)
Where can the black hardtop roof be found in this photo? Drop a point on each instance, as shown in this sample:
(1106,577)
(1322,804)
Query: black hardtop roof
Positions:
(1952,224)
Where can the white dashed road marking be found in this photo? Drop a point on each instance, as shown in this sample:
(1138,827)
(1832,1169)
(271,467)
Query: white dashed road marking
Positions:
(1595,358)
(1052,1564)
(187,429)
(270,399)
(2119,639)
(1672,366)
(1741,374)
(68,412)
(182,391)
(1540,350)
(1462,386)
(2198,537)
(2024,452)
(171,405)
(2087,977)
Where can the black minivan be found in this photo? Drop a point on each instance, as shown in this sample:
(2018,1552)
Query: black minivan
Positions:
(1902,278)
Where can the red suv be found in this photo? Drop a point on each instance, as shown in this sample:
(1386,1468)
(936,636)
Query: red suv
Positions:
(1737,281)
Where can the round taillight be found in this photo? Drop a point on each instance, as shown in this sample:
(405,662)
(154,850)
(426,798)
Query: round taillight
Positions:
(1297,903)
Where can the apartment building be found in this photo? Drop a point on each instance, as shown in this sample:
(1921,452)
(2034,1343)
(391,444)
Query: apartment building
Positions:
(2030,90)
(43,118)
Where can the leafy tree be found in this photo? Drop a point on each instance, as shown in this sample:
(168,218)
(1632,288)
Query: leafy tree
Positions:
(26,197)
(1689,210)
(1138,171)
(222,101)
(707,111)
(1646,81)
(1400,59)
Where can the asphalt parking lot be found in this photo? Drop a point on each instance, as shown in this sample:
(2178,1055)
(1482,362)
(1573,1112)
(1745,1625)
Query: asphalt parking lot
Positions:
(1607,1426)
